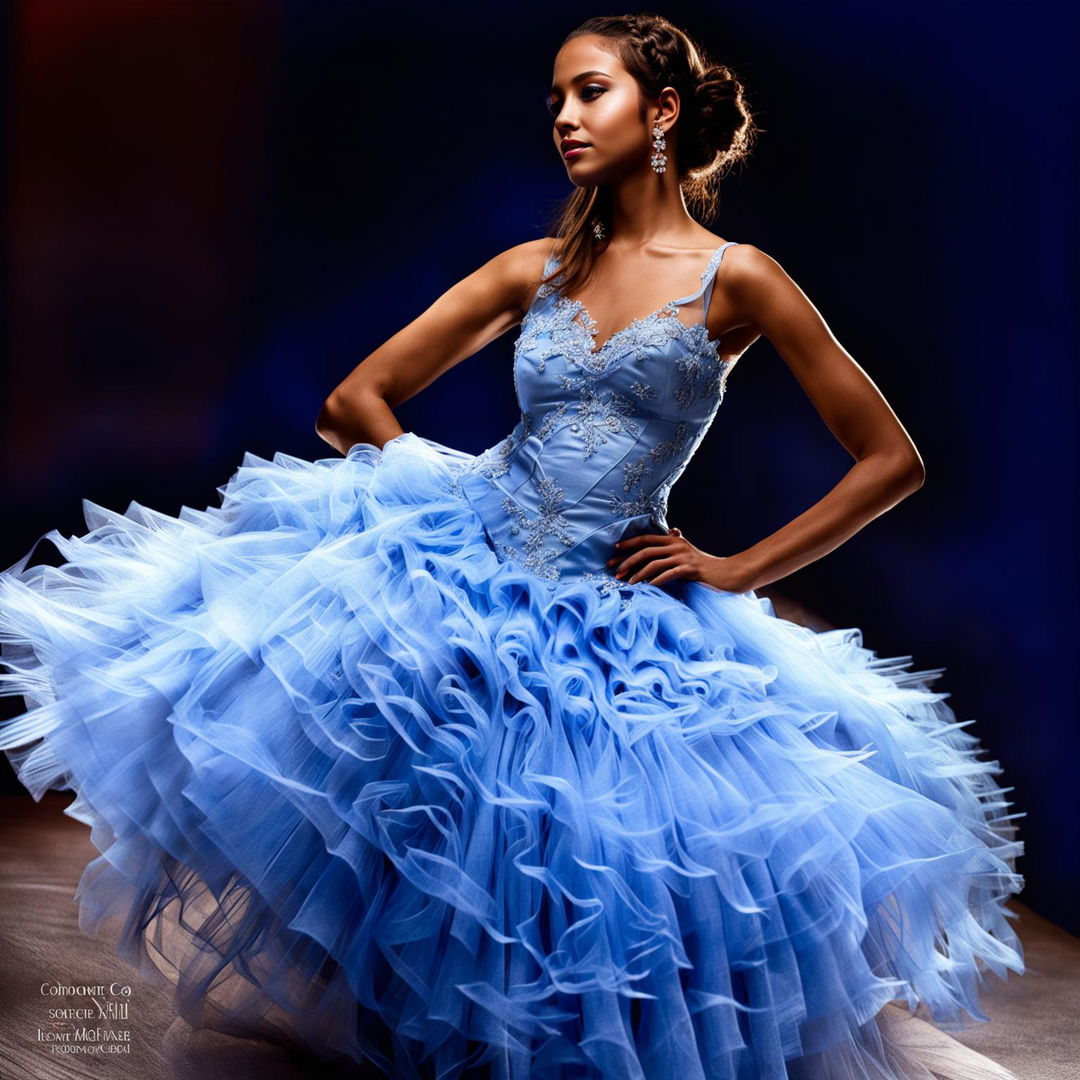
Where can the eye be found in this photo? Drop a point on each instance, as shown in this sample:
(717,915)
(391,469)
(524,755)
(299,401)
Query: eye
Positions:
(589,92)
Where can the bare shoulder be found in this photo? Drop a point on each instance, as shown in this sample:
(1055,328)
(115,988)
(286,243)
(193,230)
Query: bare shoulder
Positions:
(534,250)
(520,268)
(525,261)
(748,263)
(747,267)
(752,277)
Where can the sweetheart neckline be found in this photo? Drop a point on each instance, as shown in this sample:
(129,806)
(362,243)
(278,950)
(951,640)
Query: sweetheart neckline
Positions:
(710,343)
(591,328)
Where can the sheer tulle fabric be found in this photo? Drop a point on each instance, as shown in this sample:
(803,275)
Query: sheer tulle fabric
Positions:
(358,782)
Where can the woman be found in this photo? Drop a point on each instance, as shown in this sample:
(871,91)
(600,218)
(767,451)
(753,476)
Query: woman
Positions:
(470,765)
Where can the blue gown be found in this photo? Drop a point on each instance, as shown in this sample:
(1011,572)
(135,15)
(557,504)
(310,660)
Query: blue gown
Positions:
(382,759)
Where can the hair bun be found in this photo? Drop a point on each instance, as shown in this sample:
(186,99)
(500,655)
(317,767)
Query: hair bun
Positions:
(721,120)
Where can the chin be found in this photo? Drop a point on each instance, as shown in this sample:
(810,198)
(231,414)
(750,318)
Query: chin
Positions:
(584,177)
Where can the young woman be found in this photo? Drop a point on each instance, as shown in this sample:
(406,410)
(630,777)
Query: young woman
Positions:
(471,765)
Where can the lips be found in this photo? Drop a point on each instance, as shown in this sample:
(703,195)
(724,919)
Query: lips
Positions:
(570,146)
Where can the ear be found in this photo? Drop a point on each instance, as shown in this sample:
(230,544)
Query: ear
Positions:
(667,107)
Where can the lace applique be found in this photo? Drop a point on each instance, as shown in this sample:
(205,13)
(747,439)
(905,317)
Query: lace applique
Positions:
(605,583)
(654,329)
(700,367)
(600,414)
(570,338)
(532,327)
(692,366)
(551,420)
(642,503)
(549,521)
(495,461)
(572,331)
(633,471)
(548,573)
(499,462)
(546,289)
(686,446)
(643,390)
(670,447)
(539,319)
(717,381)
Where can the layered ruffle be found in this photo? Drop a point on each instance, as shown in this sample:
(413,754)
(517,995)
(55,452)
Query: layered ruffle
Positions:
(358,782)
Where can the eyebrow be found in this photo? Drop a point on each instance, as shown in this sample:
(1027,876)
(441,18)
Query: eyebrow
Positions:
(578,78)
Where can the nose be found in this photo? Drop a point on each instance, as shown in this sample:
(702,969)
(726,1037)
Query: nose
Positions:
(565,123)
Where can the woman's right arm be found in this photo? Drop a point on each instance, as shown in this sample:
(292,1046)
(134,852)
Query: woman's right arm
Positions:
(468,316)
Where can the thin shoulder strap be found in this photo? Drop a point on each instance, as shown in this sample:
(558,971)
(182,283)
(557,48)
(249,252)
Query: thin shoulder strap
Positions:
(708,279)
(714,265)
(549,264)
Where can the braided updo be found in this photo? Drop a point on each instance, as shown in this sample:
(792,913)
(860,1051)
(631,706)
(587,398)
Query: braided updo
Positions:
(715,129)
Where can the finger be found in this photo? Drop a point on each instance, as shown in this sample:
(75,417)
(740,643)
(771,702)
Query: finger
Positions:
(638,558)
(663,544)
(672,574)
(647,573)
(636,541)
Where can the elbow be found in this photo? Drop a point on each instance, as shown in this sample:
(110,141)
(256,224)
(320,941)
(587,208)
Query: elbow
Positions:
(334,414)
(345,417)
(324,422)
(912,473)
(901,474)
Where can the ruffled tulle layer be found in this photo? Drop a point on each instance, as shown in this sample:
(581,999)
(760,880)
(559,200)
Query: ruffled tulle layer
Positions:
(358,782)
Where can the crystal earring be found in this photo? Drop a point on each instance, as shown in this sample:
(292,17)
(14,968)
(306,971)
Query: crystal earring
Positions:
(659,158)
(598,230)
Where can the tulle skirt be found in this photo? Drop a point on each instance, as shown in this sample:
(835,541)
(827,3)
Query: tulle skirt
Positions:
(359,783)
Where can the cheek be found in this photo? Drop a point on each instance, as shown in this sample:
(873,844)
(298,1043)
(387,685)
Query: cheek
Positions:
(620,128)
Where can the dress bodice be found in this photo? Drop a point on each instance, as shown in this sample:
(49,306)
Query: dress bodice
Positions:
(604,431)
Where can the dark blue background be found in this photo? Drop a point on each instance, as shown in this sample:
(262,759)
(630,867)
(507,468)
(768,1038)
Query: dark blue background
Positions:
(216,211)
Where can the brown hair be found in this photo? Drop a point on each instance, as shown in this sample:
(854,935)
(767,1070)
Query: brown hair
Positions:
(715,130)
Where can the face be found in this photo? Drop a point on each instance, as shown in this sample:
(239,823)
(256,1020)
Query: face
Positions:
(594,100)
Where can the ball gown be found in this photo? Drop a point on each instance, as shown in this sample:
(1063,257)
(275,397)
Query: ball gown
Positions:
(380,758)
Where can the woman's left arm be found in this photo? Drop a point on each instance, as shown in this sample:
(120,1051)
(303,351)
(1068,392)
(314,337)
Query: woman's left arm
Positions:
(887,466)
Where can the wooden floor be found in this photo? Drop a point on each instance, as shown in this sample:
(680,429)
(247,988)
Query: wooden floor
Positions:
(1035,1028)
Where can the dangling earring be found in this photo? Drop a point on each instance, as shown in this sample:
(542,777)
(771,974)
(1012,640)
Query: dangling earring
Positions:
(598,230)
(659,158)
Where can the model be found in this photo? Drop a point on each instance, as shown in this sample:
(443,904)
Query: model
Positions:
(470,765)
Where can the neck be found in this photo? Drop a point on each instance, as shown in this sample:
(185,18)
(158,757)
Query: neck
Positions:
(647,208)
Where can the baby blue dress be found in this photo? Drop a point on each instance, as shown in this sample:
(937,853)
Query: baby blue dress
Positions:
(381,758)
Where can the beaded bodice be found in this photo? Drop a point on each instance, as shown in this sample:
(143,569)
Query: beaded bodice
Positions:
(604,431)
